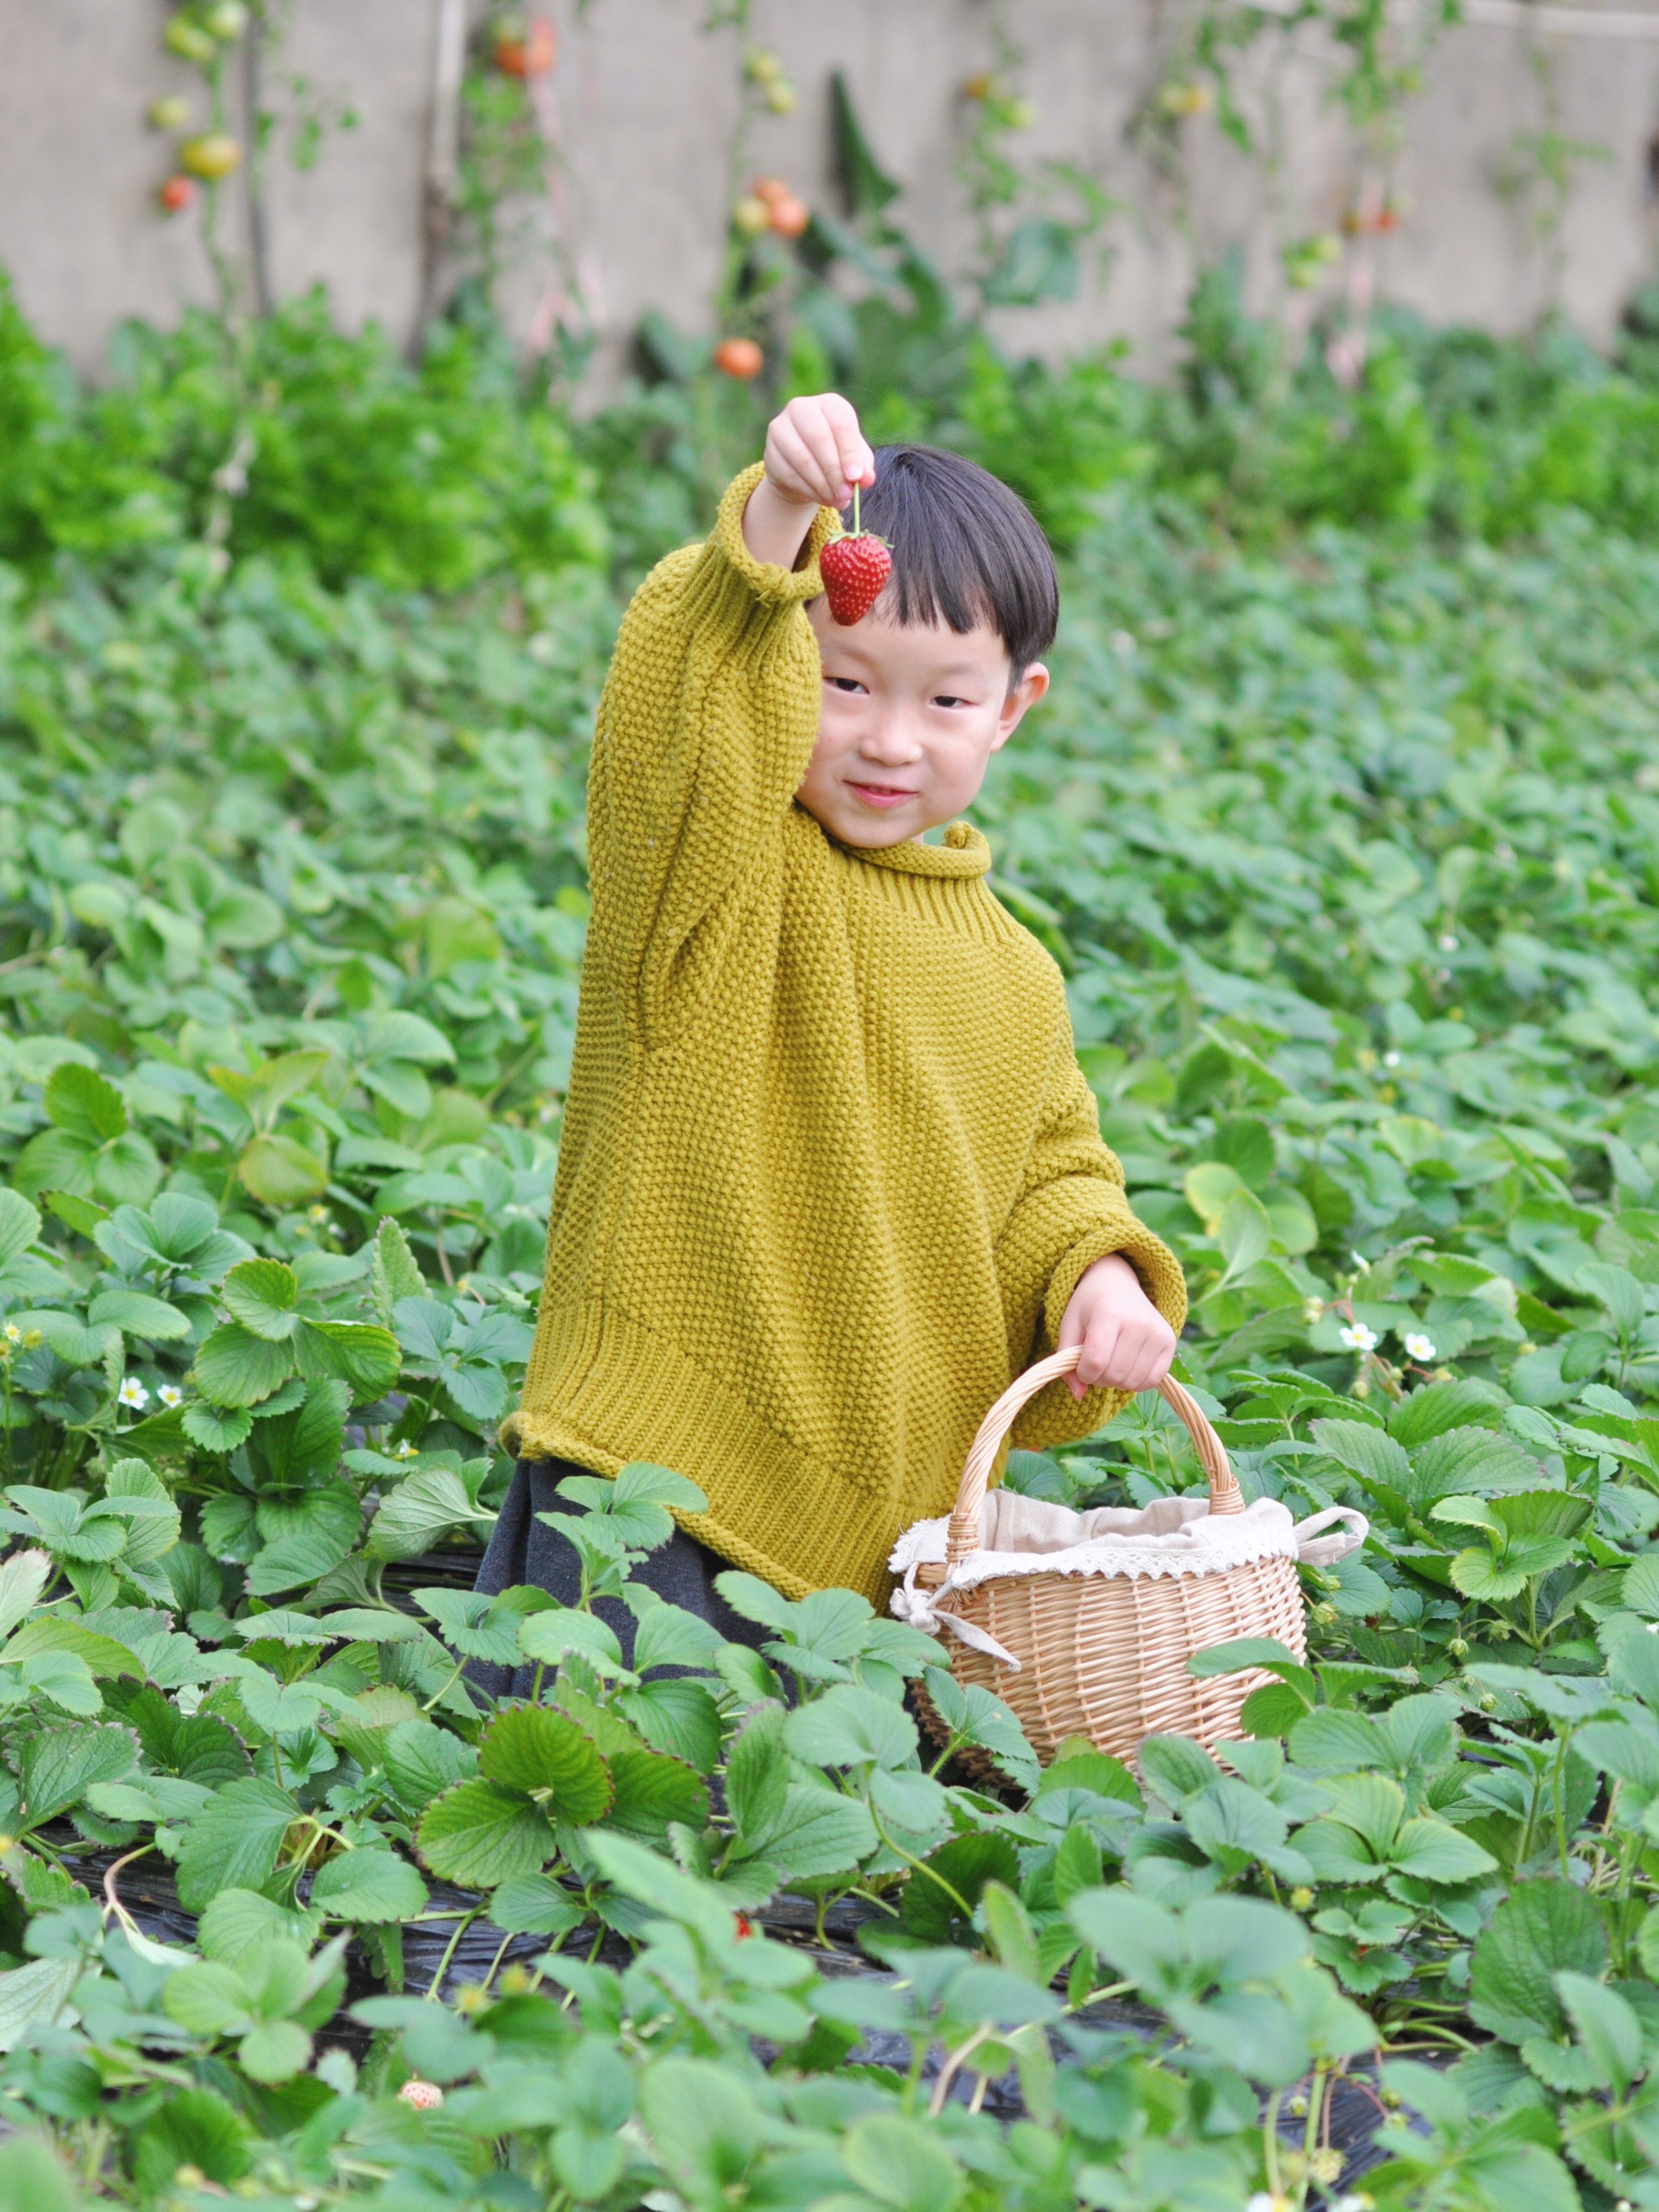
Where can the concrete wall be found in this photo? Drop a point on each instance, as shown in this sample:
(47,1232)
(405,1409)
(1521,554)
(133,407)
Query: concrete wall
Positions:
(645,102)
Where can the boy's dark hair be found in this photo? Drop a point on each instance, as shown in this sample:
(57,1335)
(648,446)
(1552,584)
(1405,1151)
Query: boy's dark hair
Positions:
(966,550)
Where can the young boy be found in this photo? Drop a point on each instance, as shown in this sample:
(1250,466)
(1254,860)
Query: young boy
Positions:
(830,1175)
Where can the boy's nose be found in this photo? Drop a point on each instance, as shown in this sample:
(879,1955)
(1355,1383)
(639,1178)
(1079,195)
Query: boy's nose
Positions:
(892,741)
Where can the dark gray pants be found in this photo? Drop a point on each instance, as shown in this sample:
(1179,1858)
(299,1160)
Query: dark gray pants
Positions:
(523,1549)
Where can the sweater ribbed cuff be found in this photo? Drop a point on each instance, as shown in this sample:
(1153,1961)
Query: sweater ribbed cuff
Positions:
(770,585)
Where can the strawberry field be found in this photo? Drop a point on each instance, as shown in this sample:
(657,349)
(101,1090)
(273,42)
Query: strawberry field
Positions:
(1344,823)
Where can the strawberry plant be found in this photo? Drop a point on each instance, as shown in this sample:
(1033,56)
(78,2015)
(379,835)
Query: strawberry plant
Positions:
(1348,856)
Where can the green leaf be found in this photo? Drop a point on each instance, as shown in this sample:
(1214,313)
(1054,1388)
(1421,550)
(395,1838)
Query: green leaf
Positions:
(1607,2028)
(817,1833)
(138,1315)
(393,1271)
(190,2127)
(705,2125)
(1468,1461)
(757,1777)
(80,1101)
(965,1863)
(237,1922)
(234,1367)
(262,1091)
(368,1887)
(901,2163)
(653,1794)
(1438,1406)
(419,1511)
(546,1636)
(274,2050)
(849,1726)
(641,1483)
(422,1759)
(482,1834)
(263,1294)
(281,1172)
(19,1225)
(533,1747)
(232,1842)
(1431,1850)
(1367,1452)
(57,1766)
(38,1991)
(1541,1929)
(363,1354)
(667,1635)
(866,185)
(677,1717)
(23,1578)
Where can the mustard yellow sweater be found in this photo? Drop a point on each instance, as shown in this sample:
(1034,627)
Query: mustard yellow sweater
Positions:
(829,1170)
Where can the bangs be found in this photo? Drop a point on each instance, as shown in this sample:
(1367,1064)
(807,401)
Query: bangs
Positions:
(966,551)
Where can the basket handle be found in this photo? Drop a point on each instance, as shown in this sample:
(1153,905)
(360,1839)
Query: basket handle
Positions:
(1226,1497)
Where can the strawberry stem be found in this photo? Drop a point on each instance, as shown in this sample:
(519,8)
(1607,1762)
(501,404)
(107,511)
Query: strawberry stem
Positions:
(855,512)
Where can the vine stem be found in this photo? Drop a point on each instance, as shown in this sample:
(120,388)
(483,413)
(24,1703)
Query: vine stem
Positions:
(434,1988)
(112,1896)
(921,1866)
(953,2065)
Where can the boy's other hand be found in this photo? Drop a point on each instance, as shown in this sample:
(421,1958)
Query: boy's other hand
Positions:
(1127,1343)
(815,453)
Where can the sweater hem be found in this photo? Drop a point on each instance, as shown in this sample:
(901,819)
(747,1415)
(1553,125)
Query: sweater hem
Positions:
(604,1389)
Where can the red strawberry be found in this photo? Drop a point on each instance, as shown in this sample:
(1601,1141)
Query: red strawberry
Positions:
(854,572)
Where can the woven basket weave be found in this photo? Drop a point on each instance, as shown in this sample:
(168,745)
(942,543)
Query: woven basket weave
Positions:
(1099,1648)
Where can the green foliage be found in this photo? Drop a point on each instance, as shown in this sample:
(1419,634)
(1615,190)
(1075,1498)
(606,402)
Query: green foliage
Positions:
(1350,860)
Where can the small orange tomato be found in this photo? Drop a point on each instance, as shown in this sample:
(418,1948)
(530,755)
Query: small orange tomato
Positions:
(789,216)
(532,53)
(176,195)
(739,357)
(769,189)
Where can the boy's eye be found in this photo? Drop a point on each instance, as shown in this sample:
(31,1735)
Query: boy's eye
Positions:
(846,683)
(949,698)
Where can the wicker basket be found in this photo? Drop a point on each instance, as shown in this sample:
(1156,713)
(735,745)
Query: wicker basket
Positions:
(1085,1626)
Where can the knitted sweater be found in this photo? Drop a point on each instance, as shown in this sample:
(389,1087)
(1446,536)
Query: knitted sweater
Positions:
(830,1171)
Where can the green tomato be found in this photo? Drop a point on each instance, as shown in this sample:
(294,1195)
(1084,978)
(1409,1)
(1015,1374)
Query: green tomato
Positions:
(186,38)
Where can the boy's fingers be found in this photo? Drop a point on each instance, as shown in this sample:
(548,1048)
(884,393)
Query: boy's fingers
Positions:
(1100,1355)
(857,462)
(812,427)
(799,468)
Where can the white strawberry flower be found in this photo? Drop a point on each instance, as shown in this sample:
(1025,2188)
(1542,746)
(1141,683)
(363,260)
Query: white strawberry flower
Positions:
(407,1450)
(133,1393)
(1418,1345)
(171,1396)
(1358,1338)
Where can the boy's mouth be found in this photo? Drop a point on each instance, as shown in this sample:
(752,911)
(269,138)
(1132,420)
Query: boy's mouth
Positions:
(880,794)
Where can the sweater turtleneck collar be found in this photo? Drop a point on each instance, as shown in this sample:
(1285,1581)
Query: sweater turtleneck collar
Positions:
(963,853)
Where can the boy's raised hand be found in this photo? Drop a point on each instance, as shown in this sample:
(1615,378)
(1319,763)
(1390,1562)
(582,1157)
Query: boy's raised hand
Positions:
(815,453)
(1127,1343)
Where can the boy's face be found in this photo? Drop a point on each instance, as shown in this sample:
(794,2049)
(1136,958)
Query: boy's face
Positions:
(910,718)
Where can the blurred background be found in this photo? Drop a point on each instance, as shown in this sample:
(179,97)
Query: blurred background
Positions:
(1078,161)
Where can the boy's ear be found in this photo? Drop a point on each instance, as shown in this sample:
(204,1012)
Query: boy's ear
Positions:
(1031,686)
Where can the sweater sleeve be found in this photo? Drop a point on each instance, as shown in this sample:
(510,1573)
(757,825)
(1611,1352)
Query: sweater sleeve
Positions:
(708,722)
(1071,1211)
